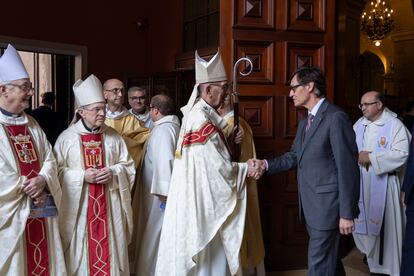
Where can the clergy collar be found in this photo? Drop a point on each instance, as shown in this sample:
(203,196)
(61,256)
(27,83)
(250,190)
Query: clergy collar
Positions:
(385,116)
(118,114)
(144,112)
(11,119)
(114,113)
(93,130)
(168,119)
(9,114)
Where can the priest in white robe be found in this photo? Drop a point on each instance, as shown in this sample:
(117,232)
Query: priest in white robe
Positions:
(383,144)
(29,234)
(205,213)
(155,181)
(96,174)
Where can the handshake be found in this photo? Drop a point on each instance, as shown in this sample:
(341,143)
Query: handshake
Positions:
(256,168)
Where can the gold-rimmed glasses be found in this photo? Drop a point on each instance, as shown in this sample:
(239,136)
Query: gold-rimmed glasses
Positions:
(26,87)
(225,86)
(116,90)
(361,105)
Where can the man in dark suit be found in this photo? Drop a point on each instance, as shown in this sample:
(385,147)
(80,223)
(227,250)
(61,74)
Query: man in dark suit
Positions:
(325,155)
(407,195)
(408,119)
(48,119)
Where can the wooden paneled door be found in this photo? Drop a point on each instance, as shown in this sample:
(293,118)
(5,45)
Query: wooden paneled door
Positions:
(279,36)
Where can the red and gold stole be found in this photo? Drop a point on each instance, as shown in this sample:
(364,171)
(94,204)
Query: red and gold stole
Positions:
(202,135)
(36,235)
(98,241)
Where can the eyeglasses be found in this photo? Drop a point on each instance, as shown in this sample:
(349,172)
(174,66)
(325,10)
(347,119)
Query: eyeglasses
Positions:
(152,107)
(96,110)
(225,86)
(361,105)
(137,98)
(26,87)
(116,90)
(294,87)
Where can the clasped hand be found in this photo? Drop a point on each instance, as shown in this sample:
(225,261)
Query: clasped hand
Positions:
(99,176)
(363,159)
(34,187)
(256,168)
(236,135)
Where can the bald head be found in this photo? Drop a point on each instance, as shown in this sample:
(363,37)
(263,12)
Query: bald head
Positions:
(112,82)
(113,93)
(372,105)
(373,95)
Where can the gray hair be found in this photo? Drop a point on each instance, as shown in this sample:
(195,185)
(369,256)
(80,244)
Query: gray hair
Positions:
(137,88)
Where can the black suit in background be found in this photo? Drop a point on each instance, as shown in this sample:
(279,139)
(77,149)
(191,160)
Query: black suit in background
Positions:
(49,121)
(407,262)
(328,181)
(408,121)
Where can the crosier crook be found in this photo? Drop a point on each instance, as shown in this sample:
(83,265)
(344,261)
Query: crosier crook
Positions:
(235,95)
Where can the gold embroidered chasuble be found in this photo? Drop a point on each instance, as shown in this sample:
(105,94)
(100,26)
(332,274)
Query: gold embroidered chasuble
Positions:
(252,251)
(74,207)
(132,131)
(15,204)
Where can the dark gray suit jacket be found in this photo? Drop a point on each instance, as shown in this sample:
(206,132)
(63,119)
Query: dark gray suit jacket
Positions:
(408,184)
(327,169)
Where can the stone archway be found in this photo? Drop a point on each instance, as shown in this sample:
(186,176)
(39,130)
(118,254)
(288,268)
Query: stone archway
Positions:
(371,73)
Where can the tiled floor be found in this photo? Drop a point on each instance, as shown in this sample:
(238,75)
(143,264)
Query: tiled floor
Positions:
(353,267)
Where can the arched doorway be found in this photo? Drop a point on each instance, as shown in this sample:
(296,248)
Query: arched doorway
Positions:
(371,73)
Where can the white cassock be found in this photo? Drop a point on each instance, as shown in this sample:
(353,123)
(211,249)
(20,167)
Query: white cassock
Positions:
(156,176)
(391,161)
(73,217)
(15,205)
(204,219)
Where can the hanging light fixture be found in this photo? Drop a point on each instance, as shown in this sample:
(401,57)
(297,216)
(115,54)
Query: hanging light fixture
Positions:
(377,21)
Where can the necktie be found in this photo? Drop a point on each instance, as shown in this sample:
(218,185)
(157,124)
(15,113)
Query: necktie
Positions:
(310,120)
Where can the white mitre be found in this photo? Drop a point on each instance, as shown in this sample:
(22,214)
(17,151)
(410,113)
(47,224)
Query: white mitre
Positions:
(11,66)
(88,91)
(211,71)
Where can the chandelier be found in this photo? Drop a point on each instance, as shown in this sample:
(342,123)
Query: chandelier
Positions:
(377,21)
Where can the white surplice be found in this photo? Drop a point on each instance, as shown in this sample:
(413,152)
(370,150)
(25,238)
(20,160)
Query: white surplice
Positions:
(206,199)
(73,215)
(15,204)
(156,176)
(391,161)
